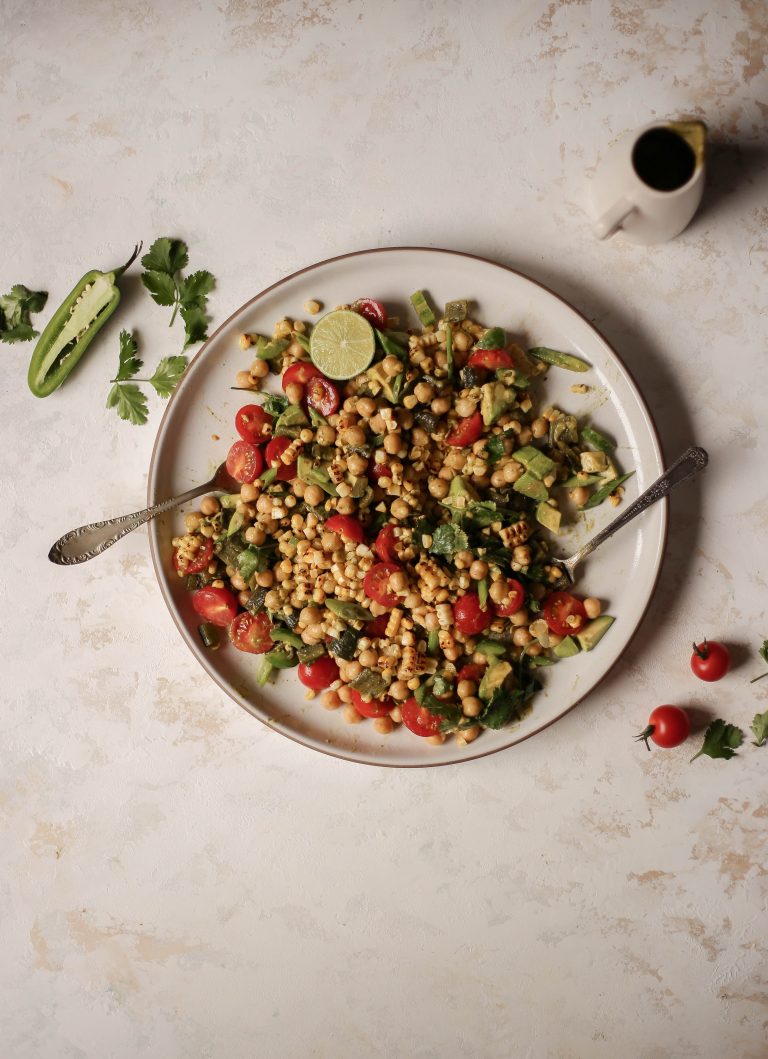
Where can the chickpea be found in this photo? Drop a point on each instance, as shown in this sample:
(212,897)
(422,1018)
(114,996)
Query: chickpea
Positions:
(579,495)
(399,509)
(521,637)
(512,471)
(478,570)
(441,405)
(344,693)
(209,505)
(351,716)
(255,535)
(438,488)
(419,437)
(463,560)
(446,472)
(326,435)
(522,555)
(244,381)
(192,521)
(259,369)
(354,437)
(462,341)
(313,495)
(376,424)
(436,740)
(298,487)
(593,607)
(468,735)
(383,725)
(424,392)
(264,505)
(331,700)
(399,690)
(497,479)
(345,505)
(465,407)
(312,307)
(392,444)
(294,391)
(265,579)
(366,407)
(353,670)
(368,658)
(431,623)
(539,427)
(525,435)
(249,492)
(534,649)
(472,706)
(452,653)
(391,366)
(272,600)
(465,689)
(520,617)
(456,459)
(238,583)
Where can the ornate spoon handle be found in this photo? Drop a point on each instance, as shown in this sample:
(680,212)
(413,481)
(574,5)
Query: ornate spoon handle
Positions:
(87,541)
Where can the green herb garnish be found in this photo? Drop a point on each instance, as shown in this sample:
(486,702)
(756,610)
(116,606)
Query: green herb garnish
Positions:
(15,309)
(720,740)
(188,295)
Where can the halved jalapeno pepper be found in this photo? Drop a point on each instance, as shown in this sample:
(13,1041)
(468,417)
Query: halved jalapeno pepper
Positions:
(73,327)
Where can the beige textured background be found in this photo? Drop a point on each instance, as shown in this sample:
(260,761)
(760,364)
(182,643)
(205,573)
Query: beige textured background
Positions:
(180,882)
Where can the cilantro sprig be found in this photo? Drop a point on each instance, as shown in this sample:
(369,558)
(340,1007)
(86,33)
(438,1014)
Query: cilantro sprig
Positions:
(15,309)
(721,740)
(763,652)
(125,396)
(188,295)
(759,728)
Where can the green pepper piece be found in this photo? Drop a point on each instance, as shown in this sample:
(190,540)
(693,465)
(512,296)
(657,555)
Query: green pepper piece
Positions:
(210,636)
(423,308)
(560,360)
(347,610)
(602,494)
(597,440)
(285,636)
(73,327)
(309,653)
(282,658)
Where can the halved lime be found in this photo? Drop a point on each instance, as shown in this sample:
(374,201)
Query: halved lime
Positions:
(342,344)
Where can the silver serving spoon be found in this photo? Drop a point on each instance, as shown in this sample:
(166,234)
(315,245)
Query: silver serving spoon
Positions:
(691,462)
(87,541)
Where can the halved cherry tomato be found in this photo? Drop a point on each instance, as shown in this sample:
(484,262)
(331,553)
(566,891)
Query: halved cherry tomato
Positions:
(245,462)
(384,545)
(322,395)
(467,431)
(250,632)
(558,607)
(710,660)
(376,583)
(374,708)
(273,452)
(319,674)
(377,628)
(373,311)
(346,526)
(469,617)
(668,726)
(200,561)
(216,605)
(301,372)
(418,720)
(379,470)
(471,671)
(491,359)
(514,602)
(254,424)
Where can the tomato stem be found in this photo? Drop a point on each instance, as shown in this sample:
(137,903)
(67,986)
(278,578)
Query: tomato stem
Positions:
(755,679)
(646,734)
(701,649)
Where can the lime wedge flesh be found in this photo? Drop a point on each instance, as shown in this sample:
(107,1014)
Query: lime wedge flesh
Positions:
(342,344)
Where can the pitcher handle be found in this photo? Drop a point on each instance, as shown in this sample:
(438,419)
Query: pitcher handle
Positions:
(610,222)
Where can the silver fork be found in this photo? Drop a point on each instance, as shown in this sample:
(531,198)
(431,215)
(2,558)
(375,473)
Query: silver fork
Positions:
(85,542)
(691,462)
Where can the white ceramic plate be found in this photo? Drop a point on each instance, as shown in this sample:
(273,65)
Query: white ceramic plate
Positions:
(623,573)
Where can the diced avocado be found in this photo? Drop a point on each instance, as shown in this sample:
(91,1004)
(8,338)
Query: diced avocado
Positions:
(535,461)
(530,486)
(423,308)
(491,648)
(460,494)
(548,516)
(493,678)
(495,400)
(592,634)
(315,474)
(290,423)
(566,648)
(594,462)
(386,382)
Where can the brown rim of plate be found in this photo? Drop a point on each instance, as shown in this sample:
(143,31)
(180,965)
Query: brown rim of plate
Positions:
(487,261)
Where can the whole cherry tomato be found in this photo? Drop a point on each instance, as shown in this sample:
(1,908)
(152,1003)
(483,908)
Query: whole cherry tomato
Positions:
(319,674)
(710,660)
(254,424)
(668,726)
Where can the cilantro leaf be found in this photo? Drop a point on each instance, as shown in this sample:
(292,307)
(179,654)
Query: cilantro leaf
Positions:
(763,652)
(448,539)
(720,740)
(441,685)
(195,325)
(494,449)
(161,286)
(482,512)
(166,255)
(274,404)
(503,708)
(15,309)
(129,362)
(194,290)
(760,728)
(130,402)
(167,375)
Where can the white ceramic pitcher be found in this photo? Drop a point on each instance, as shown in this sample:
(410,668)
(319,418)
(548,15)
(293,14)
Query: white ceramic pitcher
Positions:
(650,182)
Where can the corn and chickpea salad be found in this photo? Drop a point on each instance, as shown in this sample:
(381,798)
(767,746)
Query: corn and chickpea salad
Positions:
(391,535)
